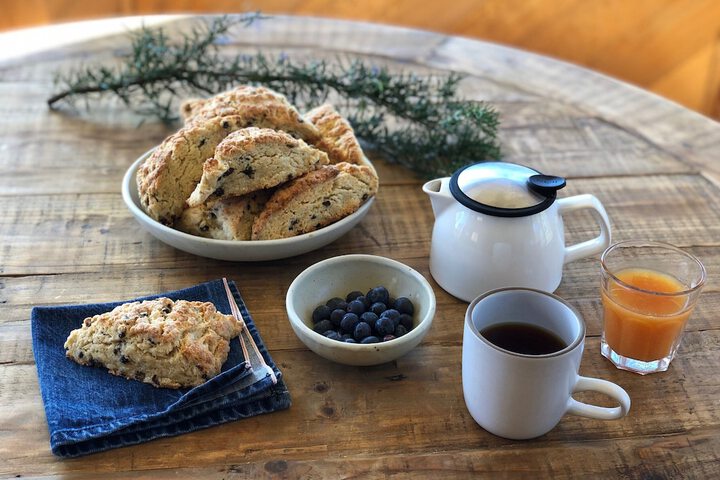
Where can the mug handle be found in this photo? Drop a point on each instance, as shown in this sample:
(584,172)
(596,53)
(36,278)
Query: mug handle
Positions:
(593,411)
(597,244)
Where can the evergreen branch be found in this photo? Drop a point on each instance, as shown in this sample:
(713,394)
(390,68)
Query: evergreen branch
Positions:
(417,121)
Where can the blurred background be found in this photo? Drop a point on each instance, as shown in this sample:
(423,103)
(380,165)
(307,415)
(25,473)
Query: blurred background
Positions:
(671,47)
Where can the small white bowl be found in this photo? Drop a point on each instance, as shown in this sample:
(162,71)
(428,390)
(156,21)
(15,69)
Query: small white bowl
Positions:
(235,250)
(336,277)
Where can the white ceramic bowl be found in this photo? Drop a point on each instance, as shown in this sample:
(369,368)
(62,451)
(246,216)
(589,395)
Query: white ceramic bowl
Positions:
(234,250)
(336,277)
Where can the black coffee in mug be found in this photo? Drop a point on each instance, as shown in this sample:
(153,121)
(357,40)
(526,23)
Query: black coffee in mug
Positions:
(523,338)
(524,396)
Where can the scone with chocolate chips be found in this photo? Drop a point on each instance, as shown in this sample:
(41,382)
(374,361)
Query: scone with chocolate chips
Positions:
(227,219)
(315,200)
(161,342)
(254,159)
(337,137)
(257,106)
(167,178)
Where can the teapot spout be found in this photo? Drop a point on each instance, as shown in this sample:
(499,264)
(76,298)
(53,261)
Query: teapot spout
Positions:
(439,192)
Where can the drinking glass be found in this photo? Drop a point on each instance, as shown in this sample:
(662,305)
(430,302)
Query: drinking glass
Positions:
(649,290)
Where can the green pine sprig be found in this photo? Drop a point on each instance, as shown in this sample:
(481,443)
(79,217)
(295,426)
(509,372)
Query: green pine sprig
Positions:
(417,121)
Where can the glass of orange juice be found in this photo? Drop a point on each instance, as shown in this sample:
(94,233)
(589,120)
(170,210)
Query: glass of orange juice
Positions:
(648,291)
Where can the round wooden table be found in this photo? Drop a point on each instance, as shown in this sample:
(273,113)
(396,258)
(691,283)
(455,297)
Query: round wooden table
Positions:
(68,238)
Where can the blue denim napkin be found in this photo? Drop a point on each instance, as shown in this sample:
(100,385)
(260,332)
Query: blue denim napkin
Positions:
(90,410)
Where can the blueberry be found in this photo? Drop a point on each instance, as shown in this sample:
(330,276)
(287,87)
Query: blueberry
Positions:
(377,308)
(400,330)
(352,296)
(345,336)
(370,339)
(391,302)
(362,330)
(332,335)
(335,303)
(404,305)
(378,294)
(393,315)
(349,340)
(356,307)
(370,318)
(406,321)
(387,338)
(348,322)
(385,326)
(320,313)
(365,301)
(322,326)
(336,316)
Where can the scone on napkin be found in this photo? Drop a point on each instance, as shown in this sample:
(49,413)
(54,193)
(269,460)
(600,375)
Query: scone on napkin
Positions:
(88,410)
(160,342)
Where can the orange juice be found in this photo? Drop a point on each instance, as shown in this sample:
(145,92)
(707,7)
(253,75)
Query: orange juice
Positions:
(639,324)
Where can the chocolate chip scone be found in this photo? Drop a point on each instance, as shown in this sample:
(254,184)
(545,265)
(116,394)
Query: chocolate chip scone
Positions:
(254,159)
(161,342)
(337,137)
(258,106)
(167,178)
(315,200)
(227,219)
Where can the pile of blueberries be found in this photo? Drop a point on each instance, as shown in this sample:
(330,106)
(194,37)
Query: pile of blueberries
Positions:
(370,317)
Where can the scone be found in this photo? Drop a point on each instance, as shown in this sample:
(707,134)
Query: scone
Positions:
(189,107)
(254,159)
(161,342)
(315,200)
(258,106)
(227,219)
(337,138)
(167,178)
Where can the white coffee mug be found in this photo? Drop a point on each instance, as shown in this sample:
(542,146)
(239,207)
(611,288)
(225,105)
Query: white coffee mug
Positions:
(521,396)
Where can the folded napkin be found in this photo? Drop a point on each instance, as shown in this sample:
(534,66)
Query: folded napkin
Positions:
(90,410)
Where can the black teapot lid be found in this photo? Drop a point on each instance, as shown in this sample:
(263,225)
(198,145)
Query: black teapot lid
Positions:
(504,189)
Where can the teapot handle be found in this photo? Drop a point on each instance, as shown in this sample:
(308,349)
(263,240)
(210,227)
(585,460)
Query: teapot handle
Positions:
(597,244)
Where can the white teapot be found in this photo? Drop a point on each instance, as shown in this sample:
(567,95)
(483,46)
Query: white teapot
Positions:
(499,224)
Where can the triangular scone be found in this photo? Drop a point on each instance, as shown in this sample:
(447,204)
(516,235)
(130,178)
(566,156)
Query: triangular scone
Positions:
(227,219)
(337,137)
(168,177)
(258,106)
(161,342)
(315,200)
(254,159)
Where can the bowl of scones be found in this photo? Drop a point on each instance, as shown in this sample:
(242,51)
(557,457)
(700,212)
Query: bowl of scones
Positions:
(250,178)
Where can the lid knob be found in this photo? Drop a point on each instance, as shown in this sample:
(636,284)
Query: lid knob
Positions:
(545,185)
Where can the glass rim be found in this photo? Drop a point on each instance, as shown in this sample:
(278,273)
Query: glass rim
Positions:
(649,243)
(571,346)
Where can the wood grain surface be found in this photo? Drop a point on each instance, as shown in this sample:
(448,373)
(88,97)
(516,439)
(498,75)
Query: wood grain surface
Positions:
(68,238)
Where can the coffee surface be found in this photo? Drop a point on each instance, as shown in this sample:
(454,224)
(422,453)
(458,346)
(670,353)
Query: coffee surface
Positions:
(523,338)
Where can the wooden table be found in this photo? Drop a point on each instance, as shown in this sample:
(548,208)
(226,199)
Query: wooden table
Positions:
(68,238)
